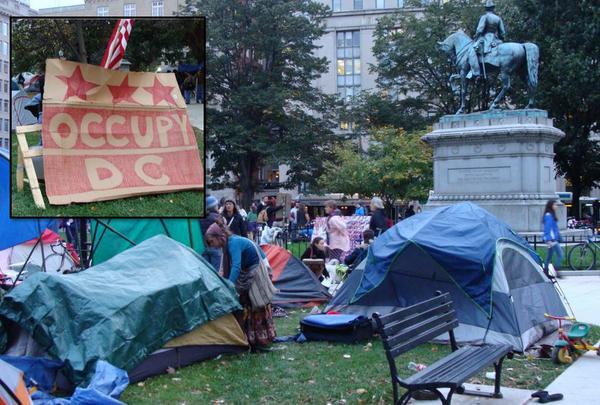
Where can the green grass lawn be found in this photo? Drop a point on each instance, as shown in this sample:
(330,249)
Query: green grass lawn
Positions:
(184,203)
(315,373)
(542,252)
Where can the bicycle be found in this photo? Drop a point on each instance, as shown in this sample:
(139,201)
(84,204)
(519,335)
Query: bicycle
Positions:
(583,255)
(61,260)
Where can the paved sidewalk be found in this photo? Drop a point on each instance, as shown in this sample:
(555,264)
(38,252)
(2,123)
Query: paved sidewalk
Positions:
(196,114)
(583,293)
(579,383)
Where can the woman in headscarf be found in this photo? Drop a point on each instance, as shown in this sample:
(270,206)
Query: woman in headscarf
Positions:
(241,260)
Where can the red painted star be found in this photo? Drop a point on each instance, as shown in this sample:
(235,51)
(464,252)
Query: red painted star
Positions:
(160,92)
(77,85)
(123,92)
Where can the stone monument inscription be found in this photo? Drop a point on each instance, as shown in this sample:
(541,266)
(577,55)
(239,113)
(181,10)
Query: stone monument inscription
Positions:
(479,175)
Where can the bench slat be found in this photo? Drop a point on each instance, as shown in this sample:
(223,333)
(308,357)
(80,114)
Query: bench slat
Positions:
(461,365)
(443,320)
(393,328)
(414,309)
(425,337)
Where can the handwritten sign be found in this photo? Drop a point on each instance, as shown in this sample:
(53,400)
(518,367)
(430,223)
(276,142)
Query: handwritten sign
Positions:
(111,134)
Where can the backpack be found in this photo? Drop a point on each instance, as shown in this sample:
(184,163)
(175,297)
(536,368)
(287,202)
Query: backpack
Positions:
(263,217)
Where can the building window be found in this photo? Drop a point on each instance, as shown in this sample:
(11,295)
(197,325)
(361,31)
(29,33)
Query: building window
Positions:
(348,63)
(4,28)
(400,3)
(158,8)
(337,5)
(102,11)
(6,86)
(4,48)
(5,66)
(380,4)
(5,105)
(6,125)
(129,10)
(358,4)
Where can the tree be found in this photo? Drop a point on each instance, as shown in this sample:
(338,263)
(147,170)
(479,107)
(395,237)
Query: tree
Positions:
(264,108)
(409,61)
(397,165)
(151,41)
(568,35)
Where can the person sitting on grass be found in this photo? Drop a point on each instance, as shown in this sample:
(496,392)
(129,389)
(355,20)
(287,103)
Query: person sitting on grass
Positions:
(360,252)
(317,250)
(241,261)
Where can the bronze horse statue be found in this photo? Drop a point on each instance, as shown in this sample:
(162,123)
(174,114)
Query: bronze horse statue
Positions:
(510,58)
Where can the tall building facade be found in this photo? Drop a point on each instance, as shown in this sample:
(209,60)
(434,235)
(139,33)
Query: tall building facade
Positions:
(7,8)
(347,44)
(117,8)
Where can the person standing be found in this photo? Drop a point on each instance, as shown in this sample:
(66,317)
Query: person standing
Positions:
(552,236)
(409,212)
(251,221)
(263,204)
(233,219)
(293,218)
(188,87)
(360,210)
(212,255)
(379,222)
(272,212)
(241,261)
(338,239)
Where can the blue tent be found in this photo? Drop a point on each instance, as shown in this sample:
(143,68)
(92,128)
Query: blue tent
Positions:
(14,231)
(495,279)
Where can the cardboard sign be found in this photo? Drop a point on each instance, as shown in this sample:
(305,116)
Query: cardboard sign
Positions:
(110,134)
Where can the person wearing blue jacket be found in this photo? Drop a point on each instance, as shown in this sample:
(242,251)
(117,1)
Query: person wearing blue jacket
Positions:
(241,261)
(552,235)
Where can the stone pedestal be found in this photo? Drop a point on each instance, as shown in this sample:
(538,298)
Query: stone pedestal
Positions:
(500,160)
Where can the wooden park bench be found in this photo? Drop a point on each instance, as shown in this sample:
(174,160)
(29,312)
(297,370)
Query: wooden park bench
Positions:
(410,327)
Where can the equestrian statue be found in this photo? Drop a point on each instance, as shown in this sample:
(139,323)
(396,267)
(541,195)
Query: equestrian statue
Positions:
(476,58)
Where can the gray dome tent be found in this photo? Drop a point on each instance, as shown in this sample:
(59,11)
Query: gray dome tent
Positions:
(496,282)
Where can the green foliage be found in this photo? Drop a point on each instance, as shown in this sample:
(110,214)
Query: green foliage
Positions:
(568,35)
(151,41)
(409,61)
(397,165)
(265,109)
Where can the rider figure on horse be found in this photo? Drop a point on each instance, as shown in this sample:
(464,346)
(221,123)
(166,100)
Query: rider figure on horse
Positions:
(490,33)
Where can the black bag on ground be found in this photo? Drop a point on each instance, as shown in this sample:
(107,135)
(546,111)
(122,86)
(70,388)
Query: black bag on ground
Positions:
(337,328)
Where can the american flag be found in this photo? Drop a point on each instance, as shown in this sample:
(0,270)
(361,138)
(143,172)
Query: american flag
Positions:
(117,44)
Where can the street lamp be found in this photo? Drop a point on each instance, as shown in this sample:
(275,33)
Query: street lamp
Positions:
(125,65)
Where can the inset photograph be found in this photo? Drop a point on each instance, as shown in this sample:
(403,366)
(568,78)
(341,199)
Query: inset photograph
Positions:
(107,117)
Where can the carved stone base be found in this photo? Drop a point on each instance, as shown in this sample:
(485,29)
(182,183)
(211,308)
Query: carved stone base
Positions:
(500,160)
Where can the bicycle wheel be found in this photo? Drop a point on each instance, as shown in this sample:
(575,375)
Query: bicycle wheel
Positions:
(582,257)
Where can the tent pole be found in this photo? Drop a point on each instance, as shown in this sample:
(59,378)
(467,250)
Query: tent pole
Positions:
(162,221)
(41,246)
(25,264)
(110,228)
(83,242)
(92,243)
(190,234)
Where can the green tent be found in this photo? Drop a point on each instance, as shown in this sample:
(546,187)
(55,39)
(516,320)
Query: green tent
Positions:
(113,236)
(124,309)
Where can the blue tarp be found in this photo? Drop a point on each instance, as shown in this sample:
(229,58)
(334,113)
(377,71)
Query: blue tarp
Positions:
(183,68)
(15,231)
(461,238)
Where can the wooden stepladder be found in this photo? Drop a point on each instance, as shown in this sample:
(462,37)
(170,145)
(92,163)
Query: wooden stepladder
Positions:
(24,160)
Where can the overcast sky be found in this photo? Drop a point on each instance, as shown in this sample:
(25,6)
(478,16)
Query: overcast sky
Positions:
(37,4)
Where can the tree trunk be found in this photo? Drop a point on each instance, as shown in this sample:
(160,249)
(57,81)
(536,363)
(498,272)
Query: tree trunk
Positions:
(576,190)
(248,172)
(81,42)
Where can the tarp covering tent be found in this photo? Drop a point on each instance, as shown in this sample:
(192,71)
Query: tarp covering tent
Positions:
(127,308)
(495,279)
(113,236)
(12,386)
(297,285)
